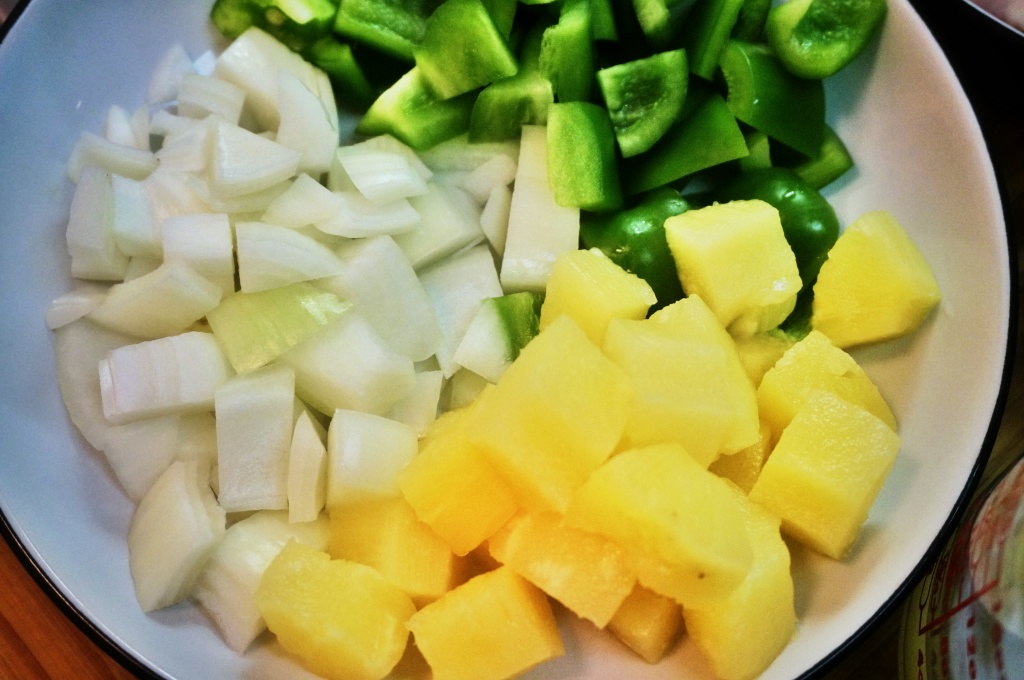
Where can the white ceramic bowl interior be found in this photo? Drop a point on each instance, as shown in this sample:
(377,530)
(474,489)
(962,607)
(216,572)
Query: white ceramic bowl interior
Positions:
(919,154)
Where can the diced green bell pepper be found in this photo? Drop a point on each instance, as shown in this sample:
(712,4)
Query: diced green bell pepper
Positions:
(567,53)
(503,13)
(759,152)
(351,86)
(661,20)
(764,95)
(602,19)
(462,49)
(391,26)
(409,111)
(706,31)
(635,240)
(816,38)
(644,98)
(582,164)
(707,137)
(296,23)
(504,107)
(828,165)
(750,22)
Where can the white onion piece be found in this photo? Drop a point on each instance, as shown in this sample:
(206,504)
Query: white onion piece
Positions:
(136,229)
(271,256)
(166,77)
(539,229)
(172,534)
(498,171)
(187,148)
(176,374)
(380,175)
(494,218)
(347,365)
(78,348)
(204,241)
(90,232)
(74,304)
(305,125)
(163,123)
(390,144)
(358,216)
(197,439)
(464,387)
(202,96)
(163,302)
(171,193)
(139,452)
(140,266)
(458,153)
(304,202)
(449,222)
(383,287)
(254,435)
(457,288)
(140,128)
(365,453)
(117,127)
(418,409)
(244,162)
(226,588)
(307,471)
(91,150)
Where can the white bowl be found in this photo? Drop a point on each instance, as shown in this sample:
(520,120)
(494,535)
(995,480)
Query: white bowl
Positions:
(919,153)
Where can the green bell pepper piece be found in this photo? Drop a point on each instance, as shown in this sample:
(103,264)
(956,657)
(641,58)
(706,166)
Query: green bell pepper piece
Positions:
(582,165)
(708,136)
(759,152)
(567,52)
(503,14)
(750,22)
(766,96)
(602,19)
(706,32)
(635,240)
(829,164)
(816,38)
(644,98)
(409,111)
(351,86)
(296,23)
(504,107)
(808,221)
(391,26)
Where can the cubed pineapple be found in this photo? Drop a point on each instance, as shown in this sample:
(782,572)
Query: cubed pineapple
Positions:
(585,572)
(741,635)
(592,289)
(494,626)
(736,257)
(744,467)
(825,472)
(759,352)
(815,363)
(679,524)
(556,414)
(875,284)
(343,620)
(453,489)
(647,623)
(386,535)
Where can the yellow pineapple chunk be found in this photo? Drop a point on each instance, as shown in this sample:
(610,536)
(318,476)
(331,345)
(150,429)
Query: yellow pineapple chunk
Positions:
(736,257)
(494,626)
(758,353)
(647,623)
(592,289)
(556,414)
(825,472)
(692,319)
(585,572)
(744,467)
(742,634)
(453,489)
(678,523)
(343,620)
(815,363)
(386,535)
(679,386)
(875,284)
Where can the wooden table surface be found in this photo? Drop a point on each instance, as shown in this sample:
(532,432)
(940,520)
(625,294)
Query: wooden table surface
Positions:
(39,642)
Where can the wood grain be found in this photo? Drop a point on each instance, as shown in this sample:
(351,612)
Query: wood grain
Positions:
(39,642)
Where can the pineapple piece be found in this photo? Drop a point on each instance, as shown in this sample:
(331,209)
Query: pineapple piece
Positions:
(815,363)
(758,353)
(678,386)
(343,620)
(875,284)
(825,472)
(585,572)
(494,626)
(647,623)
(679,524)
(692,319)
(589,287)
(554,417)
(741,635)
(453,489)
(385,534)
(744,467)
(736,257)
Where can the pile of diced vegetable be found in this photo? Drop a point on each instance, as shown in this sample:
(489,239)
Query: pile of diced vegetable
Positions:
(566,321)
